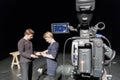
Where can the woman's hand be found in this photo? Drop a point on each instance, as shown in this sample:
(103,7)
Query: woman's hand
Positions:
(38,53)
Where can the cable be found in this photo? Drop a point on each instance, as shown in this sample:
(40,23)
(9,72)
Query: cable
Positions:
(107,41)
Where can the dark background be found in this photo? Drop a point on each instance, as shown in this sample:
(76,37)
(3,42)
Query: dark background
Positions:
(17,15)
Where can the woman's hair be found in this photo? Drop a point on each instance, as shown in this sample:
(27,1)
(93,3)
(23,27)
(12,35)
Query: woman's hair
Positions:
(48,35)
(28,31)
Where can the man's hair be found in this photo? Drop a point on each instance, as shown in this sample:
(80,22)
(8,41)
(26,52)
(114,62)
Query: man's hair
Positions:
(48,35)
(28,31)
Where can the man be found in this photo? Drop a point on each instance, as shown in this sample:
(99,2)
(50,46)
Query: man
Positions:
(26,54)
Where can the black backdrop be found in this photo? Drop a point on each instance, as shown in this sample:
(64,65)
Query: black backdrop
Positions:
(17,15)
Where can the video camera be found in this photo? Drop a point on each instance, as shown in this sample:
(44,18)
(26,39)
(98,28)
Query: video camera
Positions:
(88,50)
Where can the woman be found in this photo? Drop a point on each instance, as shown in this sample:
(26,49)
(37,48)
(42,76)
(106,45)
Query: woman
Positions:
(50,54)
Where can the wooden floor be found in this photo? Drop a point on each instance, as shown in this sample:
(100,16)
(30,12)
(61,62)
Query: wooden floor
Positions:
(6,73)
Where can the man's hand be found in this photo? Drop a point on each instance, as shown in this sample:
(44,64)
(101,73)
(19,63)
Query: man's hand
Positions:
(33,56)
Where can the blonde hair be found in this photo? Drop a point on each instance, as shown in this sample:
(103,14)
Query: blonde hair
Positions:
(48,35)
(28,31)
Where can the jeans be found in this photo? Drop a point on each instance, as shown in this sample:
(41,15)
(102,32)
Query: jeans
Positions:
(26,71)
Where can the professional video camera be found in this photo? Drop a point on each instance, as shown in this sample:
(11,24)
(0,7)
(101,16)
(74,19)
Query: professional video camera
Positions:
(88,50)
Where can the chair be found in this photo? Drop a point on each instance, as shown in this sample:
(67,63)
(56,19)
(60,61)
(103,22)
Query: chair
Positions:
(15,60)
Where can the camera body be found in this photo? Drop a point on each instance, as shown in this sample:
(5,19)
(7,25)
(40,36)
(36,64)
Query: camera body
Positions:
(88,57)
(88,50)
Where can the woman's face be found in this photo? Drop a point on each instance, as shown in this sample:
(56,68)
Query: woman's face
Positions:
(48,40)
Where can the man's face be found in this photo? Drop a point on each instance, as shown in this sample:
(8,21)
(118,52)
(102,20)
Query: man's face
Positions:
(30,36)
